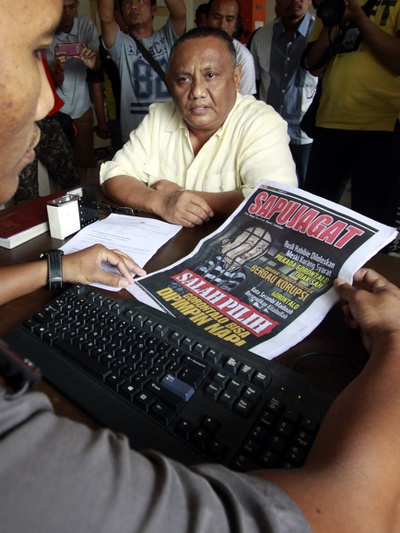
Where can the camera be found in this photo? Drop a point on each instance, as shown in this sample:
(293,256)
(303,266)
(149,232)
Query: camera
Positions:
(331,12)
(69,49)
(71,212)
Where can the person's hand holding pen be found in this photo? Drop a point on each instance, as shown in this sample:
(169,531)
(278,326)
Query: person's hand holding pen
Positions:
(85,267)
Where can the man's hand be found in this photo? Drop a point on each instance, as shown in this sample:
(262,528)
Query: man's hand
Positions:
(181,207)
(371,305)
(87,56)
(353,10)
(85,267)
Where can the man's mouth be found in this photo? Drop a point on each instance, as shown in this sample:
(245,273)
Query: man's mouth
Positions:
(199,110)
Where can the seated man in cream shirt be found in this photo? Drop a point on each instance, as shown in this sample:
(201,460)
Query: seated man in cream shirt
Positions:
(201,154)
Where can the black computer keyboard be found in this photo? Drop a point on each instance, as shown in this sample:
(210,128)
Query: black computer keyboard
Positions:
(137,371)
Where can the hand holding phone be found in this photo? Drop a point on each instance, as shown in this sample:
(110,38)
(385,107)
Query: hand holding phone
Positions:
(69,49)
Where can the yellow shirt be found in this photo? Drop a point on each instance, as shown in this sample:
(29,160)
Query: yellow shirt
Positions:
(359,93)
(252,144)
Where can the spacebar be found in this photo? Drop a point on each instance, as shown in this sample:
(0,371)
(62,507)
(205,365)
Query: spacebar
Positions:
(93,366)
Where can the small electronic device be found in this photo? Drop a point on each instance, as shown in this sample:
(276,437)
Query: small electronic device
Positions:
(69,49)
(71,212)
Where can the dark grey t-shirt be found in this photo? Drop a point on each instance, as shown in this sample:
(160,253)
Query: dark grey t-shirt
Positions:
(59,476)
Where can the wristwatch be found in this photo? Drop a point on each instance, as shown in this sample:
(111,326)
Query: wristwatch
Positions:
(54,263)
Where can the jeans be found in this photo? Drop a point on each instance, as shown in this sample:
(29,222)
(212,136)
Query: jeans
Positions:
(301,155)
(371,159)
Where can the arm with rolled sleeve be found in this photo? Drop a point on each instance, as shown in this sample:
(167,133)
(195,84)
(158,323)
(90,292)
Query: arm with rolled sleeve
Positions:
(251,145)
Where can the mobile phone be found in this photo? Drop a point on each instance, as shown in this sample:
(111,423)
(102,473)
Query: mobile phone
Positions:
(69,49)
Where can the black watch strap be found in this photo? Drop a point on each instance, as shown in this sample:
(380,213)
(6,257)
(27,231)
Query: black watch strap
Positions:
(54,264)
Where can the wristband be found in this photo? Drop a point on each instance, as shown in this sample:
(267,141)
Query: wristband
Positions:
(54,264)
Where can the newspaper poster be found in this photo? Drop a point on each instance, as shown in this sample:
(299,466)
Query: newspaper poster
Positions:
(264,280)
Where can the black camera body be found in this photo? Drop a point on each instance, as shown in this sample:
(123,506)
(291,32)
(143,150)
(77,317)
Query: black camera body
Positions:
(331,12)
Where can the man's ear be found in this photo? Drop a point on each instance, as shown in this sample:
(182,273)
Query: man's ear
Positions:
(237,76)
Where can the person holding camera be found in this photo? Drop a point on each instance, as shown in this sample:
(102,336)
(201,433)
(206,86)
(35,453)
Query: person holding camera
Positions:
(73,51)
(357,50)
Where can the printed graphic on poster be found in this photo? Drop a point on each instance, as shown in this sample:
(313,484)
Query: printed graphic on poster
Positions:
(264,279)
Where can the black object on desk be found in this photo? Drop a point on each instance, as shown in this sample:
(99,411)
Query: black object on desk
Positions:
(136,371)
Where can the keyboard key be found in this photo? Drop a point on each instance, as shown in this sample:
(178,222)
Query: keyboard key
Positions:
(217,450)
(178,387)
(253,395)
(213,391)
(168,397)
(232,365)
(144,400)
(200,438)
(244,408)
(164,413)
(192,377)
(228,399)
(246,372)
(211,424)
(185,428)
(262,380)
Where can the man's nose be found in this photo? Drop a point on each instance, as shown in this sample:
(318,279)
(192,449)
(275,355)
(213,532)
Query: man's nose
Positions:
(198,89)
(46,97)
(222,24)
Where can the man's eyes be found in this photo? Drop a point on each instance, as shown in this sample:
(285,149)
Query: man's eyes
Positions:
(183,79)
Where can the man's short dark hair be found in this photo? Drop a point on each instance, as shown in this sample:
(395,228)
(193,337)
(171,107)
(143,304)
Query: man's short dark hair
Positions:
(237,1)
(202,9)
(203,32)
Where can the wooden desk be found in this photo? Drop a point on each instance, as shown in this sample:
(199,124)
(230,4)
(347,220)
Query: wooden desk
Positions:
(344,355)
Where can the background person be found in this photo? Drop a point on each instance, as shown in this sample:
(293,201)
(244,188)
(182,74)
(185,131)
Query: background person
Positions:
(201,15)
(141,85)
(355,136)
(69,75)
(54,151)
(277,49)
(225,15)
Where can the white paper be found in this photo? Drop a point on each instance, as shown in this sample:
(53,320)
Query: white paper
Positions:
(138,237)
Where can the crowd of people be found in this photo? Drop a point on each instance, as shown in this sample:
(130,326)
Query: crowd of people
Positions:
(59,475)
(351,59)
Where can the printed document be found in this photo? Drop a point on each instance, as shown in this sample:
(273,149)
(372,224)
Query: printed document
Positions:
(264,280)
(137,237)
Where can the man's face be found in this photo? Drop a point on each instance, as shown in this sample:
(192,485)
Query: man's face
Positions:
(224,15)
(25,95)
(138,13)
(203,83)
(201,20)
(292,9)
(248,246)
(70,11)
